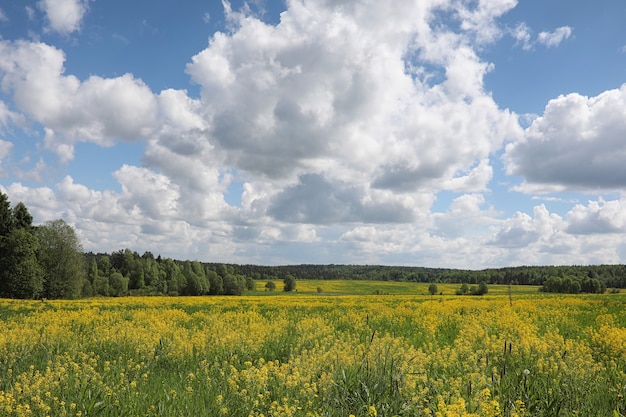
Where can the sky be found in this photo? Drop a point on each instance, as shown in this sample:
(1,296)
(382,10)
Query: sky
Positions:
(439,133)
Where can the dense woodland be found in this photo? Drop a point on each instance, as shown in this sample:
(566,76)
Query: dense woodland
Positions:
(47,261)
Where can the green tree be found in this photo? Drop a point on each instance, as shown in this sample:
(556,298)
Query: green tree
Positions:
(234,284)
(289,283)
(270,286)
(250,284)
(432,289)
(463,290)
(6,217)
(21,217)
(20,274)
(216,282)
(61,257)
(118,284)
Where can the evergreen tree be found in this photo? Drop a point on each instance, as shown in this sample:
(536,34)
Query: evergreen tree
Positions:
(6,217)
(20,274)
(21,217)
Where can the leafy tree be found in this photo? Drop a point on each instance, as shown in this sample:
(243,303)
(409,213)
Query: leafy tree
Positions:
(481,290)
(175,279)
(234,284)
(87,289)
(289,283)
(250,284)
(270,285)
(432,289)
(60,255)
(216,282)
(118,284)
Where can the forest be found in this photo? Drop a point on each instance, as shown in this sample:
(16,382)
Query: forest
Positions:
(47,261)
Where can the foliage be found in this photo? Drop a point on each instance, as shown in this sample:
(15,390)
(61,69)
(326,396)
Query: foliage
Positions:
(61,257)
(21,276)
(311,356)
(270,285)
(289,283)
(432,289)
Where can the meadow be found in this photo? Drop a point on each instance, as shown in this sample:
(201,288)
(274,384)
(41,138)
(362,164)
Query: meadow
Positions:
(354,349)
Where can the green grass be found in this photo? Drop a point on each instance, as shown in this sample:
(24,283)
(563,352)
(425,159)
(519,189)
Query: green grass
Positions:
(351,287)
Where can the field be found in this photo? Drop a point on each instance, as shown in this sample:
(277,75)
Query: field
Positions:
(356,348)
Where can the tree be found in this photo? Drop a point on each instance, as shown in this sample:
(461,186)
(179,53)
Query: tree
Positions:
(270,285)
(250,284)
(234,284)
(21,217)
(20,274)
(216,282)
(118,284)
(61,257)
(432,289)
(6,217)
(289,282)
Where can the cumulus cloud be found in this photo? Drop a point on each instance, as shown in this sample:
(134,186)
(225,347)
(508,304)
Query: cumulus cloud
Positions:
(598,217)
(576,145)
(64,16)
(316,200)
(327,90)
(342,122)
(100,110)
(554,38)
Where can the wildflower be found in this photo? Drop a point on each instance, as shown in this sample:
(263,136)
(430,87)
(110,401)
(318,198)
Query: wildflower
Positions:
(371,411)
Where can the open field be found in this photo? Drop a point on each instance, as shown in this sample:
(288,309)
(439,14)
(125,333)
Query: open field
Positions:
(347,287)
(310,354)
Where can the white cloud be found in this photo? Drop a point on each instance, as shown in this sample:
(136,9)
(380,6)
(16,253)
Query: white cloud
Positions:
(100,110)
(327,92)
(522,34)
(576,145)
(343,122)
(598,217)
(5,148)
(554,38)
(3,16)
(64,16)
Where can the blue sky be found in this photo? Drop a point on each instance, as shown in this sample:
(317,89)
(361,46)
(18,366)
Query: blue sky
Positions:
(445,133)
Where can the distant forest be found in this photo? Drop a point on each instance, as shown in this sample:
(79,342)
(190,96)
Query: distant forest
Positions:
(47,261)
(149,275)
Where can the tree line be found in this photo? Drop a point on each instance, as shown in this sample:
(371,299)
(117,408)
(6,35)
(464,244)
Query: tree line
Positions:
(48,261)
(37,261)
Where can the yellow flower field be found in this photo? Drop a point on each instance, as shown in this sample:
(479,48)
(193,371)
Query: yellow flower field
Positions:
(315,355)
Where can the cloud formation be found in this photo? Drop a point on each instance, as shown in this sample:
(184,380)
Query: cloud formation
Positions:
(554,38)
(576,144)
(64,16)
(337,130)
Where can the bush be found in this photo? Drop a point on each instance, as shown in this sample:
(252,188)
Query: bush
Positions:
(432,289)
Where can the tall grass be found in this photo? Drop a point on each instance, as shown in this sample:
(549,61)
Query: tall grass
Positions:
(315,355)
